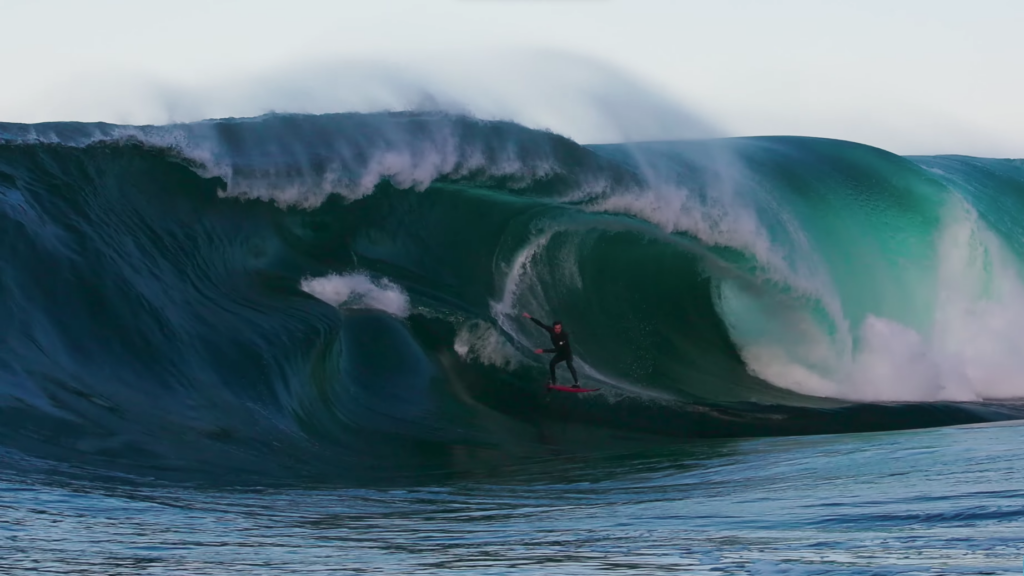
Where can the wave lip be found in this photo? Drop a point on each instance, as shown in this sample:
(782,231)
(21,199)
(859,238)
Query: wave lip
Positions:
(296,159)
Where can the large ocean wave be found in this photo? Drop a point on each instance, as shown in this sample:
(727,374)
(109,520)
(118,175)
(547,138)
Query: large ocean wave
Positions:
(305,295)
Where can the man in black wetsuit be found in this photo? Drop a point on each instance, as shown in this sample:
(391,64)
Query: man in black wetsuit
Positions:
(563,353)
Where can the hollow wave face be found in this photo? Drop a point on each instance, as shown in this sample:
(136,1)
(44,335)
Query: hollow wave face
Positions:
(340,297)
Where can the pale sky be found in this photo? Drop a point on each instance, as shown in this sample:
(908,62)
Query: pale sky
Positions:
(910,76)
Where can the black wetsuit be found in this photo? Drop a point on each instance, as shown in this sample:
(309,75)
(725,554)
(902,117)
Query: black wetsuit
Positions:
(563,353)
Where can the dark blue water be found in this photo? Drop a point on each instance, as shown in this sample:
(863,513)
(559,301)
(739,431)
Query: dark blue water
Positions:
(295,344)
(946,501)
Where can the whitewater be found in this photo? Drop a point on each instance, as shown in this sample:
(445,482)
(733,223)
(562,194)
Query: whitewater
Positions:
(294,343)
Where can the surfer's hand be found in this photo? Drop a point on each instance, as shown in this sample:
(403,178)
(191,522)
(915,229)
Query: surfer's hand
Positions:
(539,351)
(526,314)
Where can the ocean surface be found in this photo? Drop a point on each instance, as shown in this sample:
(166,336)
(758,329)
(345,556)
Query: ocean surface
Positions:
(294,344)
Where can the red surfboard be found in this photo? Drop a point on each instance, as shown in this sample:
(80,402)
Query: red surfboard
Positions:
(569,389)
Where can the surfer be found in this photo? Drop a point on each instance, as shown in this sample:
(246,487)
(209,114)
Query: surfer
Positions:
(562,351)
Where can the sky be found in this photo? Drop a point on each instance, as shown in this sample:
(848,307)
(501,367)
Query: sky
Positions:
(910,76)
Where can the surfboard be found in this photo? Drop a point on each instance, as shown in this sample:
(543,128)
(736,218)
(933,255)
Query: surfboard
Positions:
(569,389)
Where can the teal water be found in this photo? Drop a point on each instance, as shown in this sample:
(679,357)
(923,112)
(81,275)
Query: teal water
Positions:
(294,344)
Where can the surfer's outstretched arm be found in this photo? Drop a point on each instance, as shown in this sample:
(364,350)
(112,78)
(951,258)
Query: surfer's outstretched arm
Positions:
(538,322)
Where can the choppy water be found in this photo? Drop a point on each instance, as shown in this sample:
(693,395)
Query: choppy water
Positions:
(947,501)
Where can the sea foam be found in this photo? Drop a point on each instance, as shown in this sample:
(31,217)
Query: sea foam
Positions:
(358,290)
